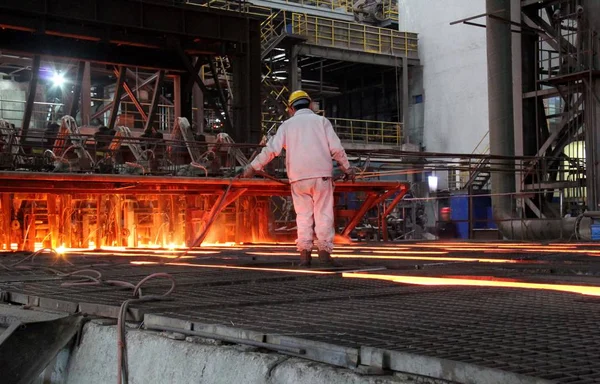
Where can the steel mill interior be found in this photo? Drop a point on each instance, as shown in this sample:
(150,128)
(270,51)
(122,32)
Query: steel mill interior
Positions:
(143,241)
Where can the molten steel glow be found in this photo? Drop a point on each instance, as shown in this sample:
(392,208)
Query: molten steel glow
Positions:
(302,271)
(419,280)
(393,252)
(219,245)
(134,254)
(428,258)
(394,257)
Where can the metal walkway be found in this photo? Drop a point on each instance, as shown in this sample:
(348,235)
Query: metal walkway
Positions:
(533,334)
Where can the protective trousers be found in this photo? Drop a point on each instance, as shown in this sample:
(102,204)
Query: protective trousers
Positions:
(313,203)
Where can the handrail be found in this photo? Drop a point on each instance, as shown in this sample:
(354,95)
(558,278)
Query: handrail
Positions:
(328,32)
(361,131)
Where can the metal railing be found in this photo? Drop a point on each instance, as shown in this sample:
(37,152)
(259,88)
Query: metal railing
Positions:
(353,36)
(362,131)
(42,112)
(458,179)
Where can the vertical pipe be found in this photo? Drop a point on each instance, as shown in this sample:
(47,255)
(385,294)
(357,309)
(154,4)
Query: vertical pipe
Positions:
(500,102)
(35,73)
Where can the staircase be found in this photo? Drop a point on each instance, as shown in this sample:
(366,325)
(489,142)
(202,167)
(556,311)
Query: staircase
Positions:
(274,92)
(480,176)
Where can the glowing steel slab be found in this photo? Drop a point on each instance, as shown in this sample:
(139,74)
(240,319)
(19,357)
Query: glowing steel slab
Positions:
(421,280)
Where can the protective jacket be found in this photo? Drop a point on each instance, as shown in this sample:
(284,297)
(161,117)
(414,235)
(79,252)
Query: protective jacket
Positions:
(310,143)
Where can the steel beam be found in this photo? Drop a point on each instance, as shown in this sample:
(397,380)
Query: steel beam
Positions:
(196,77)
(155,99)
(144,85)
(355,56)
(35,73)
(372,200)
(389,210)
(134,100)
(117,98)
(124,96)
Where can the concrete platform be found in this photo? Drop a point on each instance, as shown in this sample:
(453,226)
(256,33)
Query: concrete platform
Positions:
(459,312)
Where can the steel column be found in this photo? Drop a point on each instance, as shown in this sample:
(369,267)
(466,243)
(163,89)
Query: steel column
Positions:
(155,99)
(405,95)
(502,142)
(35,73)
(77,90)
(294,78)
(86,94)
(5,217)
(196,77)
(117,98)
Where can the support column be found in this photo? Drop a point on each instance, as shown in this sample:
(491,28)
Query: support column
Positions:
(155,99)
(295,81)
(114,111)
(65,219)
(405,95)
(35,73)
(5,217)
(198,100)
(53,223)
(502,142)
(183,99)
(86,94)
(190,209)
(99,222)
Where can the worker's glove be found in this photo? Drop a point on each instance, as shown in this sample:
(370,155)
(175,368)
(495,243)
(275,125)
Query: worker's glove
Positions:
(350,175)
(248,172)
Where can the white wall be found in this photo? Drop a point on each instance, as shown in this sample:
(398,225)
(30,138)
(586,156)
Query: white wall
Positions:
(454,72)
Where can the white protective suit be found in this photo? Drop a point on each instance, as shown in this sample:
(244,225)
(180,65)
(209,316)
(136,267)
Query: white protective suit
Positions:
(310,143)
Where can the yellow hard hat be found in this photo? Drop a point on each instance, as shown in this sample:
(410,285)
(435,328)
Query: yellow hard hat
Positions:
(297,95)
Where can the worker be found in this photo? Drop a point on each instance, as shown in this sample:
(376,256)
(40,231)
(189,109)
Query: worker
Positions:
(446,227)
(310,143)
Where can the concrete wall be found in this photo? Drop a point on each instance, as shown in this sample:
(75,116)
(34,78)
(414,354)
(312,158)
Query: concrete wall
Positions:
(154,358)
(454,72)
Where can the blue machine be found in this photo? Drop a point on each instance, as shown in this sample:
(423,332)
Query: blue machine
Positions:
(482,213)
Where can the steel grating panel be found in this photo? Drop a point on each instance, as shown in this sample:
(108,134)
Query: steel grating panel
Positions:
(543,334)
(535,333)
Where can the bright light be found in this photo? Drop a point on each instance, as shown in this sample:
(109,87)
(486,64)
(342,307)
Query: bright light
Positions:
(61,250)
(58,79)
(432,181)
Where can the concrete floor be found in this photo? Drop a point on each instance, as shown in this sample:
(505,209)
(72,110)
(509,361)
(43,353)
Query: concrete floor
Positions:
(460,312)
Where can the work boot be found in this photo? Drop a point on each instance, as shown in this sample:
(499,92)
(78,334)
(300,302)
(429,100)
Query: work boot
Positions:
(305,259)
(325,259)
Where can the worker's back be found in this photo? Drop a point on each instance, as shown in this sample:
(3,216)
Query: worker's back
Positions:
(309,141)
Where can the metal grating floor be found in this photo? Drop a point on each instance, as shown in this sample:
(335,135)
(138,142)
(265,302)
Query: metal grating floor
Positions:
(536,333)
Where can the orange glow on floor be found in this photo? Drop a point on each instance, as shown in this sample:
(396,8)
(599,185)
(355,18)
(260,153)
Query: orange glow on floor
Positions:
(135,254)
(394,257)
(393,252)
(428,258)
(420,280)
(302,271)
